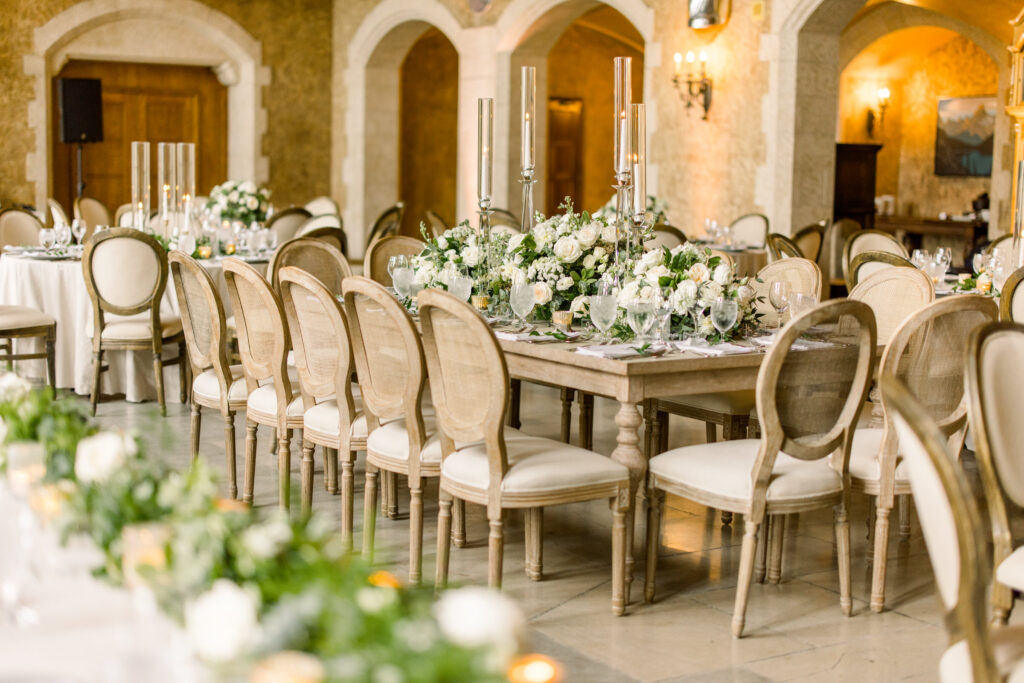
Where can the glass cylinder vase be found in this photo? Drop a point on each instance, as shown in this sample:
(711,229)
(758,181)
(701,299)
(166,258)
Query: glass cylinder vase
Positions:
(140,184)
(167,181)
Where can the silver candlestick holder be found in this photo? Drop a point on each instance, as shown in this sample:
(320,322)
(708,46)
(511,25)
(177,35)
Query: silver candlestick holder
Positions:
(622,188)
(527,180)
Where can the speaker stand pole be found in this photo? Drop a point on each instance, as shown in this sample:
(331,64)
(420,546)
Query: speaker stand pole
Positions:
(81,180)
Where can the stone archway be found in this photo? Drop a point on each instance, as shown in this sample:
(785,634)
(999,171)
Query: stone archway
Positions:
(237,61)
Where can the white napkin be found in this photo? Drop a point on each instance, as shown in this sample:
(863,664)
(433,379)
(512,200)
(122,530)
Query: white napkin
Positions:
(704,349)
(528,337)
(618,350)
(798,345)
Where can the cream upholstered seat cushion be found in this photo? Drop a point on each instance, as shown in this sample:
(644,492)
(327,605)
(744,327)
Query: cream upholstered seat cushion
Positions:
(206,385)
(20,317)
(264,400)
(724,469)
(134,327)
(864,462)
(535,464)
(1007,646)
(323,418)
(728,402)
(1010,571)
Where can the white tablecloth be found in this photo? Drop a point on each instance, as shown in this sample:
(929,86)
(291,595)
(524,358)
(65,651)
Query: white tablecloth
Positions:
(58,288)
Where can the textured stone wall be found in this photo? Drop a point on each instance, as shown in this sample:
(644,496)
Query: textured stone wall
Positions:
(296,41)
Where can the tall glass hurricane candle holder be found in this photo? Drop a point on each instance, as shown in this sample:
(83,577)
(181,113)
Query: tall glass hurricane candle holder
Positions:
(140,185)
(485,167)
(186,167)
(638,126)
(622,153)
(528,160)
(167,180)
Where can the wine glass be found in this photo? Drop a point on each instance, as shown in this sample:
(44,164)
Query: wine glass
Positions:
(919,258)
(640,316)
(47,238)
(723,314)
(801,303)
(62,235)
(403,277)
(522,300)
(460,286)
(78,229)
(778,296)
(978,263)
(604,307)
(395,262)
(271,239)
(944,255)
(663,316)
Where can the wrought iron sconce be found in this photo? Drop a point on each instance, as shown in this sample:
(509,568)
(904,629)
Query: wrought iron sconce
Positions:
(879,118)
(698,88)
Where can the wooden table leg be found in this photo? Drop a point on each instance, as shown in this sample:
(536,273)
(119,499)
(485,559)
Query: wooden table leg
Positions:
(567,398)
(628,452)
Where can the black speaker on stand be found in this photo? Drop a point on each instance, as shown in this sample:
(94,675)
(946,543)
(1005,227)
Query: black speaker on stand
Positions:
(80,101)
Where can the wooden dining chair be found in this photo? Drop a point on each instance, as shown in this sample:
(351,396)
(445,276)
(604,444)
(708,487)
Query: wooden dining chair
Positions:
(375,263)
(725,257)
(666,236)
(504,230)
(93,212)
(123,217)
(335,237)
(1011,298)
(126,275)
(1001,247)
(435,224)
(505,217)
(322,205)
(57,213)
(927,354)
(388,223)
(286,222)
(861,241)
(216,384)
(324,221)
(868,263)
(809,240)
(316,257)
(332,415)
(807,405)
(894,294)
(750,231)
(486,463)
(994,377)
(954,535)
(24,322)
(263,344)
(18,228)
(389,362)
(780,247)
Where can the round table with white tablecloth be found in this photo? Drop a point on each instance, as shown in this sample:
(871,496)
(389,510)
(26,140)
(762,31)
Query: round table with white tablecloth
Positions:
(58,288)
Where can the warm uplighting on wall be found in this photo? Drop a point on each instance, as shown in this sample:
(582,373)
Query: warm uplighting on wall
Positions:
(698,87)
(879,118)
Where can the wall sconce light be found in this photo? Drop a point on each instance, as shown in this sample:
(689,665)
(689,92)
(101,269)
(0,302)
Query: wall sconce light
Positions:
(698,88)
(879,118)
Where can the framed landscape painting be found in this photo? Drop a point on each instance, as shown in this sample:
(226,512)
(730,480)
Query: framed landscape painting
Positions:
(963,140)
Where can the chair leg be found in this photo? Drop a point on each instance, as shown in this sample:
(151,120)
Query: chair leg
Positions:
(182,373)
(331,470)
(385,481)
(444,532)
(284,468)
(51,358)
(250,460)
(369,511)
(735,427)
(273,440)
(347,499)
(618,558)
(567,398)
(459,526)
(197,418)
(535,543)
(514,395)
(495,552)
(158,371)
(1002,603)
(761,551)
(870,551)
(229,450)
(392,497)
(739,614)
(655,504)
(97,366)
(843,550)
(881,552)
(415,530)
(775,548)
(307,477)
(904,505)
(711,432)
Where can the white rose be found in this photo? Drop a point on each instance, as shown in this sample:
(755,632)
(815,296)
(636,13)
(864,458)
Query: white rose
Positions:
(248,186)
(450,254)
(13,388)
(221,623)
(646,293)
(687,290)
(745,294)
(266,540)
(233,196)
(699,273)
(564,284)
(589,261)
(579,305)
(568,249)
(599,253)
(442,243)
(709,292)
(629,292)
(723,274)
(98,456)
(608,234)
(252,203)
(654,257)
(471,256)
(541,293)
(588,234)
(657,272)
(458,614)
(515,241)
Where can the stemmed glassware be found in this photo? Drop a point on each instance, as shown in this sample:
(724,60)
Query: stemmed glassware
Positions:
(402,277)
(978,263)
(78,229)
(778,296)
(395,262)
(640,317)
(604,307)
(62,235)
(663,317)
(920,258)
(522,300)
(47,238)
(460,284)
(723,314)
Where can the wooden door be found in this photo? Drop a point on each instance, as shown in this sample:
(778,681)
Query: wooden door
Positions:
(158,103)
(565,168)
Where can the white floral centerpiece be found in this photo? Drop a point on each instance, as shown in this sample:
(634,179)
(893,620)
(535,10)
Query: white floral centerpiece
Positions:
(564,257)
(240,201)
(458,247)
(691,278)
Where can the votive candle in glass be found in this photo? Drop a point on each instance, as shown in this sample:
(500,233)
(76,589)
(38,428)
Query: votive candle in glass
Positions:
(638,125)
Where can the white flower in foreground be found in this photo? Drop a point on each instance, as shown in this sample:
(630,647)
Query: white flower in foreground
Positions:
(723,274)
(3,430)
(374,599)
(608,234)
(588,234)
(654,257)
(541,293)
(442,243)
(248,186)
(515,241)
(705,327)
(589,261)
(13,388)
(100,455)
(474,617)
(568,249)
(252,203)
(221,622)
(699,273)
(687,291)
(745,294)
(564,284)
(266,540)
(657,272)
(471,256)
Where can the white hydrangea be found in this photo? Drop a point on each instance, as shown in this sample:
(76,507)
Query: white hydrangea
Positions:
(458,614)
(705,327)
(709,291)
(266,540)
(13,388)
(222,622)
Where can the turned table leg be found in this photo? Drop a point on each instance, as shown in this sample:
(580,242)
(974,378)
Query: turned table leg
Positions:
(628,452)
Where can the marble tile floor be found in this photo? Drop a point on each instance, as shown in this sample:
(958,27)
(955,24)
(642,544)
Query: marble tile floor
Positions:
(795,629)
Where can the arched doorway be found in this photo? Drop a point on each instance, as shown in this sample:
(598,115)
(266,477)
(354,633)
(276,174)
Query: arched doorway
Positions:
(161,32)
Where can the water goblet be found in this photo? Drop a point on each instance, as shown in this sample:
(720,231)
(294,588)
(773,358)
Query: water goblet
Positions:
(395,262)
(723,314)
(920,258)
(778,297)
(604,307)
(271,239)
(460,286)
(978,263)
(47,238)
(945,256)
(663,317)
(78,229)
(403,277)
(522,300)
(800,303)
(640,317)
